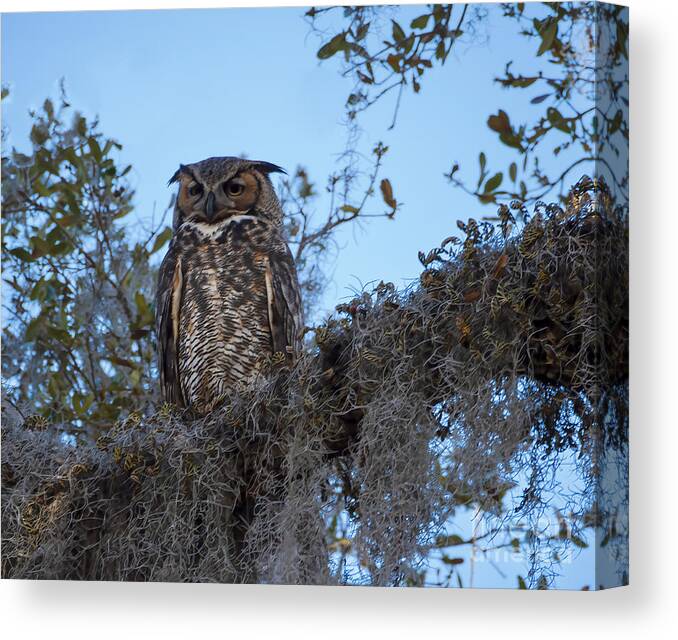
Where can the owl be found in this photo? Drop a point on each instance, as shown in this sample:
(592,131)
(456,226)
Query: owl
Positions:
(228,295)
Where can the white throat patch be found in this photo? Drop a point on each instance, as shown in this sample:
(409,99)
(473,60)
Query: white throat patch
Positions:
(207,230)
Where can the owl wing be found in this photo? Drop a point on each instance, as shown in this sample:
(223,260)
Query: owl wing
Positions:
(168,304)
(285,313)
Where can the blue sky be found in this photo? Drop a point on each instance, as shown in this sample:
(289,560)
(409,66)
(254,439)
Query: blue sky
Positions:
(178,86)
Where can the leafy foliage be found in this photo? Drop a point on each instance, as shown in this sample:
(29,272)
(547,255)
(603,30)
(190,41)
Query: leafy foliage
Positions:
(402,59)
(578,79)
(584,96)
(78,318)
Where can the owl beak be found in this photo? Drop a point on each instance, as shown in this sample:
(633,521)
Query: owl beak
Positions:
(209,206)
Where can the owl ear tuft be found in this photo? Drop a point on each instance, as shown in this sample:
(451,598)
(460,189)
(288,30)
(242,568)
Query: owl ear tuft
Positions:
(268,167)
(177,174)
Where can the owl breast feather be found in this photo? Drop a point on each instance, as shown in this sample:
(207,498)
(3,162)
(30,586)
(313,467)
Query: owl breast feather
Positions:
(223,322)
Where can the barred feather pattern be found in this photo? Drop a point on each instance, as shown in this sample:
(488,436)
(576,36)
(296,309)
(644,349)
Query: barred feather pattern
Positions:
(226,329)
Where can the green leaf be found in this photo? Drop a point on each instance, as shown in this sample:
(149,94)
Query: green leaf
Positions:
(61,248)
(513,171)
(34,328)
(38,291)
(135,377)
(500,123)
(22,254)
(350,209)
(539,99)
(81,125)
(54,387)
(81,402)
(39,134)
(578,542)
(141,303)
(335,45)
(557,120)
(482,160)
(363,29)
(394,62)
(66,220)
(70,155)
(452,561)
(420,22)
(449,541)
(521,583)
(520,83)
(548,32)
(60,335)
(398,33)
(48,108)
(41,189)
(44,290)
(95,149)
(162,238)
(40,247)
(493,183)
(615,123)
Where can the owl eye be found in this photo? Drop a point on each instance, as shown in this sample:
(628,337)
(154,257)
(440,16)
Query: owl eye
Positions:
(195,189)
(234,189)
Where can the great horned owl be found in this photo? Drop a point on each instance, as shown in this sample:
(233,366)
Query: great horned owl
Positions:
(228,294)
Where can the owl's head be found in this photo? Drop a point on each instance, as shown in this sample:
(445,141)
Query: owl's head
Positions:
(217,188)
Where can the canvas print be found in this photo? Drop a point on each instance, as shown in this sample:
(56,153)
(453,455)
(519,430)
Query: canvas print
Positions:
(330,295)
